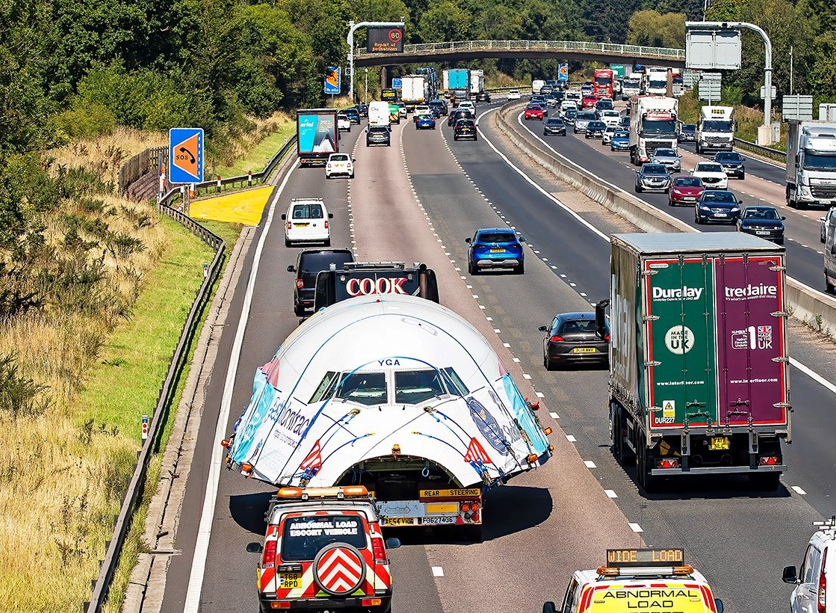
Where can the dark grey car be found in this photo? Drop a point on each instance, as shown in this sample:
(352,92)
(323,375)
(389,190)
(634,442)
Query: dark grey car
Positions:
(573,338)
(309,263)
(732,162)
(653,177)
(554,125)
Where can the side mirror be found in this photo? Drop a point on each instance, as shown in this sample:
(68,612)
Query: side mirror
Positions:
(284,217)
(790,575)
(718,604)
(254,548)
(782,218)
(522,239)
(353,159)
(291,268)
(468,240)
(393,543)
(330,216)
(543,328)
(739,202)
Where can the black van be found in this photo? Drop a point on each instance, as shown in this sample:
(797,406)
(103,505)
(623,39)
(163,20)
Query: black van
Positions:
(309,263)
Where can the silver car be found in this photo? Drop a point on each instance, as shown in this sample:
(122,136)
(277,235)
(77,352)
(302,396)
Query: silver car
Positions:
(828,220)
(582,120)
(669,158)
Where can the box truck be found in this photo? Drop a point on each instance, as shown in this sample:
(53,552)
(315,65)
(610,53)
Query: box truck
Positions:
(715,129)
(415,90)
(652,126)
(317,135)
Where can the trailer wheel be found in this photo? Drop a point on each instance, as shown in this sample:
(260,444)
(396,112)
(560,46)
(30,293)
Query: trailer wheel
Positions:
(766,482)
(643,467)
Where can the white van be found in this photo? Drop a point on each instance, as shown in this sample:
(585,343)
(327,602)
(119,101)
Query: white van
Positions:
(811,584)
(306,221)
(378,113)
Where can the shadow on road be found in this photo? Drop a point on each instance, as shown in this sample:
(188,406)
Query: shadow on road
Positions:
(248,511)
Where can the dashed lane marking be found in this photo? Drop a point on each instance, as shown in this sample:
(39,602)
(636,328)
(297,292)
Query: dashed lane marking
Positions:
(798,490)
(635,527)
(438,571)
(589,464)
(611,494)
(554,415)
(571,438)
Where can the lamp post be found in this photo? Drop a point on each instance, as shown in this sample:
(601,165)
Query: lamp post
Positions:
(366,92)
(352,27)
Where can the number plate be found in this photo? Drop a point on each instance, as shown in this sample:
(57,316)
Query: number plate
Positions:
(290,581)
(497,250)
(584,350)
(720,215)
(718,443)
(398,521)
(762,233)
(301,225)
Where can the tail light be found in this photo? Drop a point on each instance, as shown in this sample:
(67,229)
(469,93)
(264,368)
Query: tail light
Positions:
(556,339)
(379,550)
(822,600)
(465,507)
(326,224)
(770,460)
(289,225)
(474,507)
(667,463)
(268,559)
(606,337)
(300,284)
(475,516)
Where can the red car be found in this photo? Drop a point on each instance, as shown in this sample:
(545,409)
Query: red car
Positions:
(589,101)
(685,190)
(534,111)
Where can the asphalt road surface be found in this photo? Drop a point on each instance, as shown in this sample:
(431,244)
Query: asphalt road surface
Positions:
(418,200)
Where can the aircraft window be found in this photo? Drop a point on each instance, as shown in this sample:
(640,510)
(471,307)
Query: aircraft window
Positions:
(414,386)
(454,382)
(368,388)
(326,387)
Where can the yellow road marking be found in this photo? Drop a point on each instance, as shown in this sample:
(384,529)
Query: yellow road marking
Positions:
(242,207)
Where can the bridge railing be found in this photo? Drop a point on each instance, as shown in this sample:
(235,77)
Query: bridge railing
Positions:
(536,45)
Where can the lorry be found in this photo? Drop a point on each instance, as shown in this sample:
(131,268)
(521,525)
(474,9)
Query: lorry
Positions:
(477,86)
(457,83)
(715,129)
(811,163)
(317,136)
(699,367)
(656,82)
(395,393)
(631,85)
(602,83)
(415,90)
(536,86)
(652,126)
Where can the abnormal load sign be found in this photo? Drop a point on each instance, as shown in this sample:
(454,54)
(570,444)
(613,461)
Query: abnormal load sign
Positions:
(385,40)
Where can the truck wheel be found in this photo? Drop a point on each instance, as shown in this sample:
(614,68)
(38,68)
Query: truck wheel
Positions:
(767,482)
(472,534)
(615,433)
(644,463)
(828,286)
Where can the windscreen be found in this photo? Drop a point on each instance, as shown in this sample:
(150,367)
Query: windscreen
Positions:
(728,157)
(689,182)
(717,125)
(658,84)
(304,537)
(719,197)
(603,80)
(761,214)
(709,168)
(659,127)
(414,386)
(654,169)
(816,161)
(367,388)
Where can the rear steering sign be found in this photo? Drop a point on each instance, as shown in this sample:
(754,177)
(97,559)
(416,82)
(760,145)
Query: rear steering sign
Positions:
(185,155)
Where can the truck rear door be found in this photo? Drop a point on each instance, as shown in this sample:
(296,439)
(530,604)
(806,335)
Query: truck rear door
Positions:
(751,342)
(681,373)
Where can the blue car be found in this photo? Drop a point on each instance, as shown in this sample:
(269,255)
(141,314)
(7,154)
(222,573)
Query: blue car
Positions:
(718,205)
(620,141)
(495,248)
(423,122)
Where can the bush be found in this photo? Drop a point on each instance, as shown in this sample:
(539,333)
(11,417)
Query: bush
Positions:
(86,121)
(19,396)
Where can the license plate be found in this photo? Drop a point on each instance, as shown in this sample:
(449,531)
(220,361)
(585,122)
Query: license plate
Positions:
(398,521)
(584,350)
(301,225)
(762,233)
(497,250)
(688,199)
(290,581)
(720,215)
(718,443)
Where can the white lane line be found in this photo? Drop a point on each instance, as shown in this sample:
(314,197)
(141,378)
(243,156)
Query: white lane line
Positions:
(635,527)
(526,376)
(813,375)
(554,415)
(798,490)
(540,394)
(589,464)
(571,438)
(438,571)
(497,330)
(204,533)
(506,344)
(611,494)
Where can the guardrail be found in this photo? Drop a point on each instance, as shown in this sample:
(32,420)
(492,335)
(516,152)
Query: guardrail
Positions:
(774,154)
(101,586)
(539,45)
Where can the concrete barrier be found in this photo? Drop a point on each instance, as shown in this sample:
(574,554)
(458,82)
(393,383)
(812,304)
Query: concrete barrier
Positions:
(809,306)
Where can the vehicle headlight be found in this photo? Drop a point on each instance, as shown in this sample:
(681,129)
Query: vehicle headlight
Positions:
(704,208)
(735,209)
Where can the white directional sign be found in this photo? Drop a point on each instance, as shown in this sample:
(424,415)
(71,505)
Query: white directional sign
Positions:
(710,86)
(712,49)
(797,107)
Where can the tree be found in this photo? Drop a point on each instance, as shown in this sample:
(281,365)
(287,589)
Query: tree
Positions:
(445,22)
(651,29)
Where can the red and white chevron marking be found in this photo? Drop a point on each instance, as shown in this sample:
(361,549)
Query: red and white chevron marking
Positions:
(340,570)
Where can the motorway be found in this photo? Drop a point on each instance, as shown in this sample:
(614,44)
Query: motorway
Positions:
(418,200)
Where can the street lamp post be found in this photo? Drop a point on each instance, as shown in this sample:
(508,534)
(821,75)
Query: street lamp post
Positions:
(366,92)
(352,27)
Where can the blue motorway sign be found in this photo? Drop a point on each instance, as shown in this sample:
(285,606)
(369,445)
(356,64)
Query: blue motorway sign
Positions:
(185,155)
(396,83)
(563,72)
(332,80)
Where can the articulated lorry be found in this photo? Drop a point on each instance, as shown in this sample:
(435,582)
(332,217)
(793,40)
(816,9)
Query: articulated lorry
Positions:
(631,86)
(457,83)
(415,89)
(811,163)
(477,86)
(656,82)
(652,126)
(317,135)
(699,372)
(715,129)
(393,392)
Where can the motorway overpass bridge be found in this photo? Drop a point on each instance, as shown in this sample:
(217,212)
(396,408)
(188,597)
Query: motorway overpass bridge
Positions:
(531,49)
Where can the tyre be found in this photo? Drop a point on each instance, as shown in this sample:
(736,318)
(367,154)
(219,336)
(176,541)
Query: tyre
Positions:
(455,137)
(742,176)
(472,268)
(670,202)
(767,482)
(351,176)
(327,242)
(638,189)
(520,270)
(644,463)
(828,286)
(548,362)
(298,310)
(287,243)
(697,219)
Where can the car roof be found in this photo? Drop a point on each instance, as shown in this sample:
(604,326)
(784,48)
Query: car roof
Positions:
(579,315)
(504,230)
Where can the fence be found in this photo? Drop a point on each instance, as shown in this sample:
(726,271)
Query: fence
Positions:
(141,164)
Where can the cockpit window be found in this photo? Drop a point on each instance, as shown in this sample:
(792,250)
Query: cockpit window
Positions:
(454,382)
(414,386)
(368,388)
(326,387)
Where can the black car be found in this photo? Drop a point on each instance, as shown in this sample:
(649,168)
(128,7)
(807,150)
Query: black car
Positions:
(464,128)
(575,338)
(718,205)
(687,133)
(353,114)
(569,115)
(653,177)
(604,105)
(762,221)
(554,125)
(595,129)
(378,135)
(363,109)
(732,162)
(439,107)
(458,114)
(483,97)
(309,263)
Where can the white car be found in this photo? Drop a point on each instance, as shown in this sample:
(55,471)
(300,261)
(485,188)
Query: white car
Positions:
(828,220)
(306,221)
(812,590)
(401,110)
(422,109)
(343,122)
(467,104)
(606,138)
(610,118)
(339,165)
(712,174)
(514,94)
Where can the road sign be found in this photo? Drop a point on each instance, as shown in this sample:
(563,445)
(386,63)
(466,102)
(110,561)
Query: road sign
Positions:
(396,83)
(797,107)
(712,49)
(332,80)
(710,86)
(772,95)
(690,77)
(185,155)
(386,39)
(563,72)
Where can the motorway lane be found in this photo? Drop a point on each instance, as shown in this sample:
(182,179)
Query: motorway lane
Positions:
(804,258)
(769,171)
(229,579)
(730,531)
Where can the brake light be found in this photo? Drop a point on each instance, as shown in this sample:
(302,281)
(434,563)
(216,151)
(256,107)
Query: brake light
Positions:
(771,460)
(822,601)
(280,604)
(289,225)
(465,507)
(379,550)
(475,517)
(371,602)
(268,559)
(556,339)
(667,463)
(300,284)
(326,224)
(606,337)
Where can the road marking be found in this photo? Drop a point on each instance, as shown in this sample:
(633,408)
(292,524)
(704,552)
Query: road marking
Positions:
(497,330)
(517,360)
(571,438)
(204,533)
(635,527)
(813,375)
(438,571)
(506,344)
(526,376)
(798,490)
(540,394)
(589,464)
(611,494)
(554,415)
